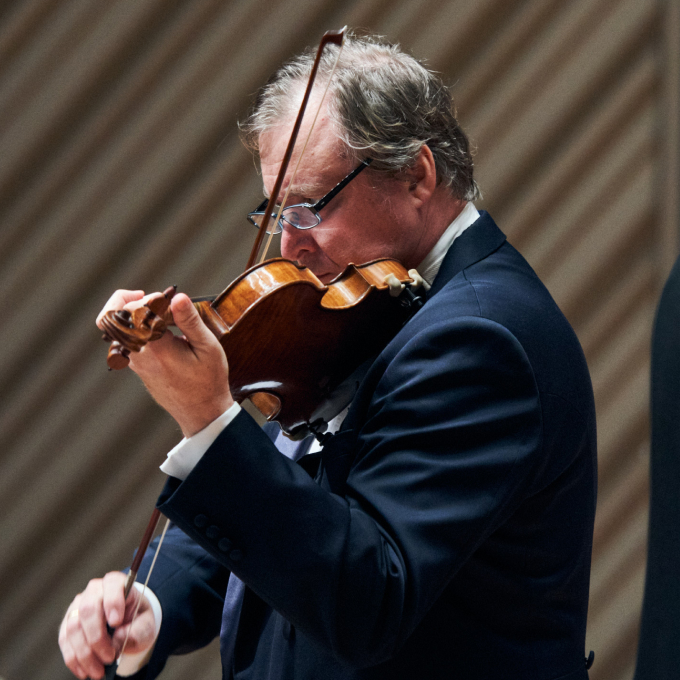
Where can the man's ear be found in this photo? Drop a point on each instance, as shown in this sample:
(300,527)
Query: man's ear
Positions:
(422,176)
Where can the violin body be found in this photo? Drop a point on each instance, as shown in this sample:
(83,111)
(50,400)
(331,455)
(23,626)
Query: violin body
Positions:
(291,341)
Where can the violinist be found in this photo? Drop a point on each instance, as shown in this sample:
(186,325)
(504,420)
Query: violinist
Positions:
(445,529)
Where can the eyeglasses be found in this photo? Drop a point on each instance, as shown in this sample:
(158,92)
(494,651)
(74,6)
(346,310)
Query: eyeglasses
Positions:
(301,215)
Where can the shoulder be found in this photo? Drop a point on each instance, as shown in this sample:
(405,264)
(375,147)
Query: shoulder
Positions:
(503,288)
(493,327)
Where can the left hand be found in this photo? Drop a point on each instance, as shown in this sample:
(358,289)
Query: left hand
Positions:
(187,375)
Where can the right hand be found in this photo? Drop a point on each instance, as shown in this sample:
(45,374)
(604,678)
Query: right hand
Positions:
(85,644)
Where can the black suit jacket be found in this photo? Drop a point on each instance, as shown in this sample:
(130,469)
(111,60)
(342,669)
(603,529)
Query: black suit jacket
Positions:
(447,532)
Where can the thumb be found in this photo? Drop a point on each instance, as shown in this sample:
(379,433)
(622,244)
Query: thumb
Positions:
(189,321)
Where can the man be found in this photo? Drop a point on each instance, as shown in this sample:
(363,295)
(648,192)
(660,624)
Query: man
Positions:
(446,529)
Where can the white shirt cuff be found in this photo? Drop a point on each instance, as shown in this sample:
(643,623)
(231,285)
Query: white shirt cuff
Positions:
(129,664)
(184,457)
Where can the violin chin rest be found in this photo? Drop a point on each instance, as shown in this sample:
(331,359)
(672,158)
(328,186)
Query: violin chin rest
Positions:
(266,403)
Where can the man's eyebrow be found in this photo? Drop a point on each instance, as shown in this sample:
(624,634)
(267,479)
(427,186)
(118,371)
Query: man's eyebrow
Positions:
(303,189)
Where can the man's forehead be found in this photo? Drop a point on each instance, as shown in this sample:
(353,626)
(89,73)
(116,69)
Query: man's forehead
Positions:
(322,159)
(322,164)
(301,186)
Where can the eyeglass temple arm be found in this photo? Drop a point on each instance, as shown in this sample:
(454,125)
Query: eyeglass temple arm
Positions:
(341,184)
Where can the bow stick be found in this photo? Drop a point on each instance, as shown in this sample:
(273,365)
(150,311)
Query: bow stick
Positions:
(329,37)
(110,670)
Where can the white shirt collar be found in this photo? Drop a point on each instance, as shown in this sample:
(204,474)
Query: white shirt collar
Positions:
(429,267)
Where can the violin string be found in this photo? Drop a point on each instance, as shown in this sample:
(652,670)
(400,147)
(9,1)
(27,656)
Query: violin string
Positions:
(302,153)
(146,582)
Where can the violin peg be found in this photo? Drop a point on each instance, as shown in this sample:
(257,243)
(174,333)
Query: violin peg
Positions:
(160,304)
(118,357)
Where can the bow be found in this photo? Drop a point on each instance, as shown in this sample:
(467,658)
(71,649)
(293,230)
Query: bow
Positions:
(330,37)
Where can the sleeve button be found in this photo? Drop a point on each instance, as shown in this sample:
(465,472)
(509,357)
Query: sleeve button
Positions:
(224,544)
(236,555)
(212,532)
(200,521)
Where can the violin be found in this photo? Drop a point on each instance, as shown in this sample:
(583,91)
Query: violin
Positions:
(291,341)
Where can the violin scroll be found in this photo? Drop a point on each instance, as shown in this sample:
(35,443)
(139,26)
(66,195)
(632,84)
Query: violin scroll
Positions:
(130,331)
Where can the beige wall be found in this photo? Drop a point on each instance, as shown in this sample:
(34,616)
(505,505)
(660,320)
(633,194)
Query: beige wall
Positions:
(120,167)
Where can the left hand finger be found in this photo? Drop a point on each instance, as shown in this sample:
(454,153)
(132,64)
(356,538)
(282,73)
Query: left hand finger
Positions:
(189,376)
(190,323)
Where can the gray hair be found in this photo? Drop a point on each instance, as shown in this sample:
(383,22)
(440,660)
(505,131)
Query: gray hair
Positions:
(384,104)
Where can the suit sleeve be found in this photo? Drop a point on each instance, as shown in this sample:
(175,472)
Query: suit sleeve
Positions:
(446,447)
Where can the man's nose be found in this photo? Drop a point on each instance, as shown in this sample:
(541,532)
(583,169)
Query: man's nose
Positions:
(295,242)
